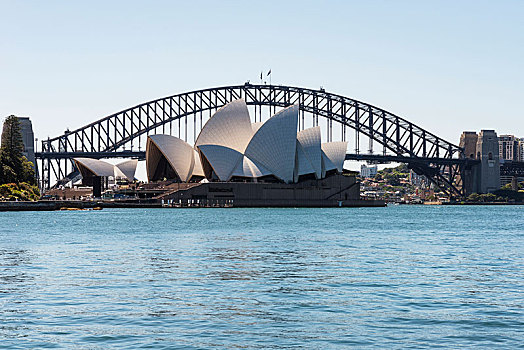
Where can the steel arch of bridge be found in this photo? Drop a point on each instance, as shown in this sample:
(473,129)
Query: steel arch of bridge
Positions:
(439,160)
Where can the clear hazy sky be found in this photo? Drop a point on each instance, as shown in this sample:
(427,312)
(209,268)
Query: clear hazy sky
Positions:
(448,66)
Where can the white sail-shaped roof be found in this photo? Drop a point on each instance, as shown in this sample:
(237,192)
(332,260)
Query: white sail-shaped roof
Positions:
(96,166)
(178,153)
(274,144)
(197,167)
(118,173)
(256,126)
(128,168)
(230,127)
(309,139)
(303,165)
(248,168)
(336,153)
(327,165)
(222,159)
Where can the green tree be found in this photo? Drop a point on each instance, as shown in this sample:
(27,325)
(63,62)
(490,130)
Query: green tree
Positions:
(506,187)
(402,168)
(474,197)
(14,166)
(488,197)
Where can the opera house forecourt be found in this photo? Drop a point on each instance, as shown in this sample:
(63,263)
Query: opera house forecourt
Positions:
(239,163)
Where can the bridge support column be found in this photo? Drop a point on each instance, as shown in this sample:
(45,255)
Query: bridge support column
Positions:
(97,187)
(489,169)
(515,183)
(471,179)
(468,141)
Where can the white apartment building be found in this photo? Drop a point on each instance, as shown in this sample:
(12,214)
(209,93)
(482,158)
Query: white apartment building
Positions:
(368,171)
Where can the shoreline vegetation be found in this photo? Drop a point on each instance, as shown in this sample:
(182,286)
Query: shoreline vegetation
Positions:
(393,185)
(17,175)
(399,185)
(22,191)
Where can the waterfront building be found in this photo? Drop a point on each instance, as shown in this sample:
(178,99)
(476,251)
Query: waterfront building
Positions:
(235,162)
(230,148)
(509,148)
(417,180)
(98,173)
(368,171)
(89,167)
(521,149)
(28,138)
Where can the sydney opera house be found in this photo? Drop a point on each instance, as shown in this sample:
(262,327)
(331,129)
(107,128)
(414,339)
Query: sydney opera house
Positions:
(240,163)
(253,164)
(231,148)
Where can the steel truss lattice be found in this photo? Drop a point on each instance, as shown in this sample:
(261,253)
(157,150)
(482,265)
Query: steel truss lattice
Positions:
(427,154)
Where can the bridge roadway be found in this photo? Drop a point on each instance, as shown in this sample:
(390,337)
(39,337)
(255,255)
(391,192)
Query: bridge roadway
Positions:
(390,158)
(420,165)
(141,155)
(506,169)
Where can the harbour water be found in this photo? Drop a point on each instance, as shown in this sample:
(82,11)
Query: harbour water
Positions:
(395,277)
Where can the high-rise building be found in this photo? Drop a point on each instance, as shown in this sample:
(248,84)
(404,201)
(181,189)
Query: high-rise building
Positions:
(368,171)
(509,148)
(521,149)
(417,180)
(26,129)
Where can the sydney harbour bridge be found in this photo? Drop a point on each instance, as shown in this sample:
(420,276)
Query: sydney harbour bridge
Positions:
(374,134)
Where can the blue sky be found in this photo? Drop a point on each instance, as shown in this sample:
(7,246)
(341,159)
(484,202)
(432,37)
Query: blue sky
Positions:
(446,66)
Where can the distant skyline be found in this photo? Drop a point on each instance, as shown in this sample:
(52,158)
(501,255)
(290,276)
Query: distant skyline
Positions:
(446,66)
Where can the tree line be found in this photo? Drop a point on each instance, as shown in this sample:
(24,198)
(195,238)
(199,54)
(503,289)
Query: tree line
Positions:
(17,175)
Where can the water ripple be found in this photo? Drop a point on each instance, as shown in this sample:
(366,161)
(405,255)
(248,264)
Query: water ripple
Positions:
(396,277)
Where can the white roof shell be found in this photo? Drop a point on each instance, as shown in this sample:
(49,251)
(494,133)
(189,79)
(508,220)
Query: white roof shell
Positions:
(222,159)
(230,127)
(309,140)
(274,144)
(197,167)
(336,153)
(96,166)
(247,168)
(118,173)
(326,164)
(127,169)
(178,153)
(256,126)
(303,166)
